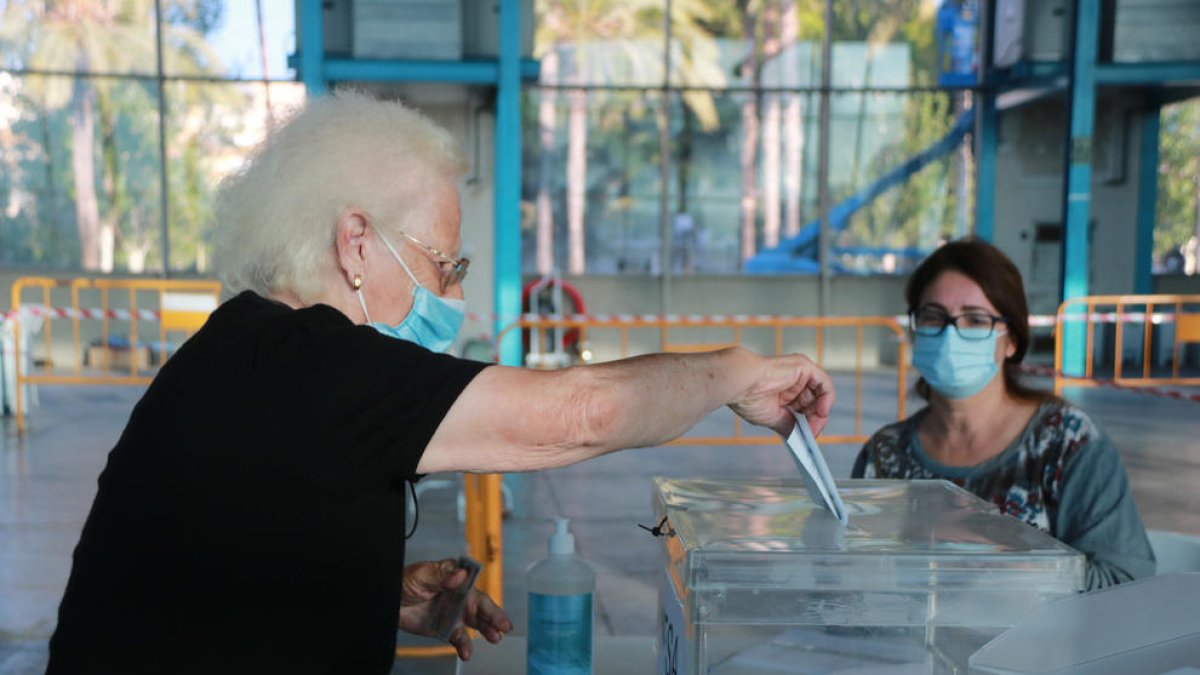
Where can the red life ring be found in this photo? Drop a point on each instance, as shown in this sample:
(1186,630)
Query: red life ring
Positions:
(571,336)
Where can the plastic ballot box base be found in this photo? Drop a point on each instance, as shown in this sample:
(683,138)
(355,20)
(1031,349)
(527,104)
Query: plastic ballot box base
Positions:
(611,655)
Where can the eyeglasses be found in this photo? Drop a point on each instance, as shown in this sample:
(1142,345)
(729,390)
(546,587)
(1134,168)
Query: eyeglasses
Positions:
(453,271)
(932,322)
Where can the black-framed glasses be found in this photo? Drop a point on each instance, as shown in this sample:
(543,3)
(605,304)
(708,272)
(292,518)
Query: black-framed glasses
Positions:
(930,321)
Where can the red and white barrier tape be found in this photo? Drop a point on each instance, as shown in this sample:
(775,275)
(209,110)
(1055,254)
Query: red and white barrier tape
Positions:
(1036,321)
(51,313)
(83,313)
(1160,392)
(635,318)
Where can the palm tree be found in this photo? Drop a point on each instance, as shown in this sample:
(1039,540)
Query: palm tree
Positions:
(577,40)
(793,115)
(546,122)
(95,36)
(751,67)
(80,36)
(770,137)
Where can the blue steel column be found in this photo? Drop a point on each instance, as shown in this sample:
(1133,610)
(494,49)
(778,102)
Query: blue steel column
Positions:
(1143,282)
(507,172)
(986,119)
(985,165)
(1078,182)
(312,46)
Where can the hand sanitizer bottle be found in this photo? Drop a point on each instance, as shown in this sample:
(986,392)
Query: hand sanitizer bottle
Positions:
(560,609)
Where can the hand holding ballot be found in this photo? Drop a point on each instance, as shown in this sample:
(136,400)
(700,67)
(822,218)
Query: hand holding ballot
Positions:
(790,384)
(811,462)
(438,599)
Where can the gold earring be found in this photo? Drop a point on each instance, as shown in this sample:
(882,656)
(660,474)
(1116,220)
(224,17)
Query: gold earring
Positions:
(357,281)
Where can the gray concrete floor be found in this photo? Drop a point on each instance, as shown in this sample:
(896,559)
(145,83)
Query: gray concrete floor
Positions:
(48,480)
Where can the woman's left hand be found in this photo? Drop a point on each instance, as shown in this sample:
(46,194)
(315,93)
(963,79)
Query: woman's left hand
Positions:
(427,584)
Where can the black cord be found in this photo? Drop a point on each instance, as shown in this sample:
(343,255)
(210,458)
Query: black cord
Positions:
(416,509)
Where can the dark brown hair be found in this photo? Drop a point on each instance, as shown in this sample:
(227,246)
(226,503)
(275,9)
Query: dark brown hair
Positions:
(1001,283)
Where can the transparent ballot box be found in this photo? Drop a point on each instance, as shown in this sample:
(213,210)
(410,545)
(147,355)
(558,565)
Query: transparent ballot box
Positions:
(759,579)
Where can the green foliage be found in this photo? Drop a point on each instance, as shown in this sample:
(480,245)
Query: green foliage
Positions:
(597,34)
(710,41)
(110,37)
(1177,218)
(201,16)
(922,209)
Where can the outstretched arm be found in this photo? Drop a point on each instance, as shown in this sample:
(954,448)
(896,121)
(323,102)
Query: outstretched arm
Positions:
(514,419)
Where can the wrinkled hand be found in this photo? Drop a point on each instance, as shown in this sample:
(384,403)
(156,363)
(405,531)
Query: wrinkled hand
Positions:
(425,583)
(787,383)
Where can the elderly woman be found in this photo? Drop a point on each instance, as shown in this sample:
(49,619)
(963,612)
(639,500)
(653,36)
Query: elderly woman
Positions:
(250,518)
(1035,456)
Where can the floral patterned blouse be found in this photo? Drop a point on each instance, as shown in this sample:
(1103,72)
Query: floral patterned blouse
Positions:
(1062,475)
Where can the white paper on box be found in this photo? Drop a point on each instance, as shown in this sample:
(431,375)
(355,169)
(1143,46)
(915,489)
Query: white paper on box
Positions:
(804,449)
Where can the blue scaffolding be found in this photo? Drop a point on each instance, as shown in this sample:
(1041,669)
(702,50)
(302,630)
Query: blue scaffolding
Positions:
(1079,77)
(798,254)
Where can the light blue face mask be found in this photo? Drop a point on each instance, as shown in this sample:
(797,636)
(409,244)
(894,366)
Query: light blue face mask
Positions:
(954,366)
(433,322)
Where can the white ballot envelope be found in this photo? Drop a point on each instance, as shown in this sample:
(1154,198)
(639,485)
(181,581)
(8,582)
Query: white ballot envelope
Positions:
(815,471)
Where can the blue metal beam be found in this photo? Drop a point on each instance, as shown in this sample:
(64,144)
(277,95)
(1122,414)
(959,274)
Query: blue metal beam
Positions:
(1175,72)
(474,71)
(1027,74)
(1143,281)
(507,176)
(985,166)
(1077,195)
(312,40)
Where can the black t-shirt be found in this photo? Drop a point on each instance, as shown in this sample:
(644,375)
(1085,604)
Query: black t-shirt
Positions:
(251,516)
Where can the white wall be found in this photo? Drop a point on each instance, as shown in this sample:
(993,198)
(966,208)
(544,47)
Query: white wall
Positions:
(1029,170)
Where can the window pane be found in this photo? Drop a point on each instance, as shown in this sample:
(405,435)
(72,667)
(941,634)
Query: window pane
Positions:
(591,182)
(602,43)
(895,186)
(222,38)
(884,43)
(85,37)
(211,129)
(750,176)
(1156,31)
(80,184)
(1177,220)
(771,44)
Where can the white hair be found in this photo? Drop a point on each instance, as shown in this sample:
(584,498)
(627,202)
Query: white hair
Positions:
(275,219)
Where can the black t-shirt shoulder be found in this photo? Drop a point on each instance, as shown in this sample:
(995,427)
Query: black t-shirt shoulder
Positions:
(368,402)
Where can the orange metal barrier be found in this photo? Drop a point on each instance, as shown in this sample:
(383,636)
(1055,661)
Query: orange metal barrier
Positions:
(1144,311)
(171,304)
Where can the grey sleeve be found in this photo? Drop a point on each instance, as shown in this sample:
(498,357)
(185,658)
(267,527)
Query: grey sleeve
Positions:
(1097,517)
(863,461)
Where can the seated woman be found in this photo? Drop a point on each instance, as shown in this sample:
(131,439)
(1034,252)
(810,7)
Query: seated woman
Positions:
(1035,456)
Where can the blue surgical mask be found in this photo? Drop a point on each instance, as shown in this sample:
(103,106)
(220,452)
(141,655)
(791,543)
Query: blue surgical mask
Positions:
(954,366)
(433,322)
